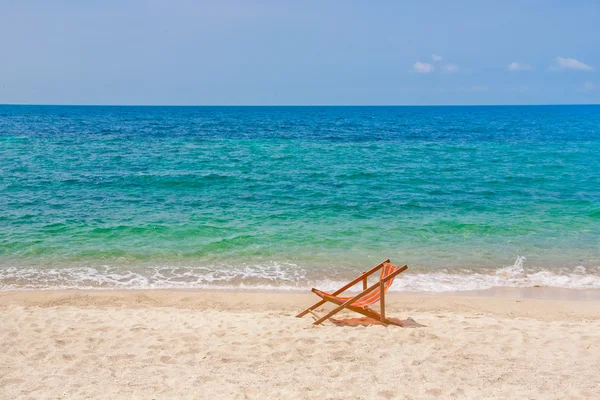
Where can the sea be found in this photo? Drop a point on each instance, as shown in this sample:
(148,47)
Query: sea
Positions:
(289,198)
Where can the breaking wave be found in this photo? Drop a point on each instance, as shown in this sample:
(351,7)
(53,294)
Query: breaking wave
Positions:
(288,276)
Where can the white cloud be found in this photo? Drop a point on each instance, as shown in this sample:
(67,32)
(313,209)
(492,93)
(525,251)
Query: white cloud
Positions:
(423,68)
(570,63)
(427,68)
(516,66)
(450,68)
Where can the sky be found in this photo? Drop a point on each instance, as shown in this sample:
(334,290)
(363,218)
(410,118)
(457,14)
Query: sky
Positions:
(226,52)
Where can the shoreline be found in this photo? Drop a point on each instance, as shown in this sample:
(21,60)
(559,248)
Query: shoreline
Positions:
(542,293)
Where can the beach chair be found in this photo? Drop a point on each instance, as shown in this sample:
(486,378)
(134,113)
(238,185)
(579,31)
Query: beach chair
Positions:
(362,300)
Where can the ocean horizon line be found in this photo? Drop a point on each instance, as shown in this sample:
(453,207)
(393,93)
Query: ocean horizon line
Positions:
(295,105)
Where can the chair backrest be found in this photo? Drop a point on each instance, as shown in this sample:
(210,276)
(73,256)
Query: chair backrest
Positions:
(388,269)
(375,295)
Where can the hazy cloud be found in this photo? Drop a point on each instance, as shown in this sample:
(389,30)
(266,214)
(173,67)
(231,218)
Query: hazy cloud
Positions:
(516,66)
(589,86)
(426,68)
(423,68)
(570,63)
(450,68)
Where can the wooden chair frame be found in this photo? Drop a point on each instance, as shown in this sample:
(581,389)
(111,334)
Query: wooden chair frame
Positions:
(366,311)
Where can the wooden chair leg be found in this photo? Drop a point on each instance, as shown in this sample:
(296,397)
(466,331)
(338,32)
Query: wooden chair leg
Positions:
(330,314)
(309,309)
(315,315)
(382,302)
(366,311)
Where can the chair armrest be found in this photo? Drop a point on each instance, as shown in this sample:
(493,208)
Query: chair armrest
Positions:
(360,278)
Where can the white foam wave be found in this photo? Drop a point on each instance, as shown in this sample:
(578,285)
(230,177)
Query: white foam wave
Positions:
(264,276)
(287,276)
(509,276)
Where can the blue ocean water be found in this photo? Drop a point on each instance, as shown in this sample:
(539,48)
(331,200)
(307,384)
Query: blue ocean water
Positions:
(291,197)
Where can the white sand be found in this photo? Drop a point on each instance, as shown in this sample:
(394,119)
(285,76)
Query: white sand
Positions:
(199,345)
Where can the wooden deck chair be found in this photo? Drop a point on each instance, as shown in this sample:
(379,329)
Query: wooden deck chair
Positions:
(362,300)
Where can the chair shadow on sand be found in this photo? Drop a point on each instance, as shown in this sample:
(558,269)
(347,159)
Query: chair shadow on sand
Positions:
(366,321)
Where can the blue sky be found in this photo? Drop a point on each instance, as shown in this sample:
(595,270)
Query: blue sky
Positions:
(299,52)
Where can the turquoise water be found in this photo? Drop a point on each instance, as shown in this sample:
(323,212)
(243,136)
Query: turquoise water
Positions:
(291,197)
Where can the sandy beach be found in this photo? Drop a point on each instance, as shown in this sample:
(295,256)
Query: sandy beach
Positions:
(203,345)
